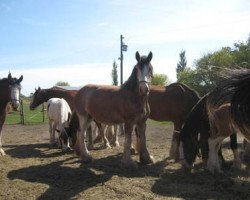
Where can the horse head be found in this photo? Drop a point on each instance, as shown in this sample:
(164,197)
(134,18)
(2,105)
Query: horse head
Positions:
(144,72)
(15,88)
(37,98)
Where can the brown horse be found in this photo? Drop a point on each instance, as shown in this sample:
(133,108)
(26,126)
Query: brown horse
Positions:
(9,92)
(221,127)
(172,103)
(127,104)
(43,95)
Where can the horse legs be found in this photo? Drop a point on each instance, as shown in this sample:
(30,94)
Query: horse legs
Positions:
(90,139)
(80,146)
(213,158)
(145,158)
(127,161)
(234,147)
(52,135)
(174,152)
(102,129)
(2,119)
(116,142)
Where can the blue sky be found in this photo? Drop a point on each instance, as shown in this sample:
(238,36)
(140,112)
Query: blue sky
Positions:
(77,40)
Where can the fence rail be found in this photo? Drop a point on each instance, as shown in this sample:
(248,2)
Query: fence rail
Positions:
(25,116)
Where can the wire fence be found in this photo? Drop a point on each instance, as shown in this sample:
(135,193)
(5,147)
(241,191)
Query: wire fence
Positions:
(25,116)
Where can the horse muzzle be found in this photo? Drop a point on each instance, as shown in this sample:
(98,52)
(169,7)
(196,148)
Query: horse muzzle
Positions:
(143,88)
(15,104)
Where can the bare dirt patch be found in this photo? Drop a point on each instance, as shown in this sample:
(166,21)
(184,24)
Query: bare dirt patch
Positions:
(32,170)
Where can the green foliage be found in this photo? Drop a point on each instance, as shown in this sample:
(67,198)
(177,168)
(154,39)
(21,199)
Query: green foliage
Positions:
(182,64)
(62,83)
(160,79)
(210,69)
(114,74)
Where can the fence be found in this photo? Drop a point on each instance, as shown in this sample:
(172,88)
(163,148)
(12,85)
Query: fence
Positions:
(25,116)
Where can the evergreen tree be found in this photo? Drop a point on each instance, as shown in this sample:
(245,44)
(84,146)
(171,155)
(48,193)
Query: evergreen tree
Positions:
(114,74)
(182,64)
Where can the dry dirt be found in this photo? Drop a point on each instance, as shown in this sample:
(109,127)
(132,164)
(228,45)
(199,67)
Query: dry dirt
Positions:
(32,170)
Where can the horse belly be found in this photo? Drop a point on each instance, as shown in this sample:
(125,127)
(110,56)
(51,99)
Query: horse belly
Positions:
(105,114)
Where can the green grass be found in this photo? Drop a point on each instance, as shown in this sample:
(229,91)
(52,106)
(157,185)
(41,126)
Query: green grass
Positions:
(36,116)
(30,117)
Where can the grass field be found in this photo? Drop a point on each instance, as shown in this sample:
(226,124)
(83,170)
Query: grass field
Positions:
(30,117)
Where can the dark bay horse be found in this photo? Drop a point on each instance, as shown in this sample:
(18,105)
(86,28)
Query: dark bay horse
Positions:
(198,123)
(9,92)
(127,104)
(43,95)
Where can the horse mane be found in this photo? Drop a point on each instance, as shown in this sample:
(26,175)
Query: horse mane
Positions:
(184,88)
(132,82)
(196,121)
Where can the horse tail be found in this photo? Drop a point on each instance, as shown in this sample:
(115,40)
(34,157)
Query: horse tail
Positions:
(235,90)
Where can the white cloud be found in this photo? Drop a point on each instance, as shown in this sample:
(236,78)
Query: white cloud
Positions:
(76,75)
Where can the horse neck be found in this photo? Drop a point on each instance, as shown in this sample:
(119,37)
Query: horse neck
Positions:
(67,95)
(196,120)
(4,93)
(132,83)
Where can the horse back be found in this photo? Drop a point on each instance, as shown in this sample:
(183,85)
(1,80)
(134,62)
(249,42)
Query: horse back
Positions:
(172,102)
(106,104)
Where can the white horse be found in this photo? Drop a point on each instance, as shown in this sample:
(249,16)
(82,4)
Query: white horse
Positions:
(59,114)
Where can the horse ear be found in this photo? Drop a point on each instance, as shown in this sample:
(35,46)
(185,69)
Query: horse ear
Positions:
(20,79)
(39,88)
(150,56)
(138,57)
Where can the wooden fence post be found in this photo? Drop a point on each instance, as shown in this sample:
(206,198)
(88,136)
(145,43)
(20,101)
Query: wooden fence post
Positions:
(43,113)
(22,112)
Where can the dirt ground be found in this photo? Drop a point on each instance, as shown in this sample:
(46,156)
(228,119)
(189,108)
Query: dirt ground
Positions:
(32,170)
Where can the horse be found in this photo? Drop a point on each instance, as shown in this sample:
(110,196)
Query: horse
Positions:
(59,114)
(9,92)
(221,127)
(172,103)
(236,91)
(43,95)
(198,122)
(233,91)
(126,104)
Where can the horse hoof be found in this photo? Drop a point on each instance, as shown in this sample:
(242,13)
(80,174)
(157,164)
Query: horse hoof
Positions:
(146,160)
(90,147)
(116,144)
(87,159)
(2,153)
(128,164)
(67,150)
(133,151)
(106,146)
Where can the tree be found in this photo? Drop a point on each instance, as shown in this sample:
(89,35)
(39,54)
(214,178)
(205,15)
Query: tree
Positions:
(182,64)
(211,68)
(62,83)
(114,74)
(160,79)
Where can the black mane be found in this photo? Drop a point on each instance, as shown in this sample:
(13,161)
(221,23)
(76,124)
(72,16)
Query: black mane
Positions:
(195,123)
(132,81)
